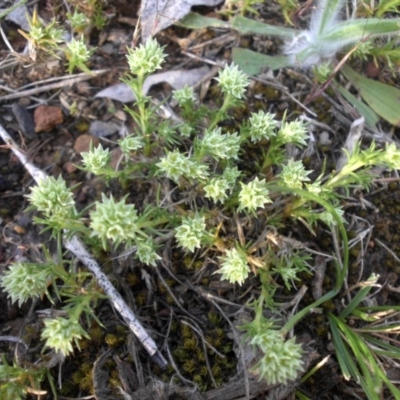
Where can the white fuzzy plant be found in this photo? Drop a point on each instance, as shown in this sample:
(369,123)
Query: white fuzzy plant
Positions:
(328,33)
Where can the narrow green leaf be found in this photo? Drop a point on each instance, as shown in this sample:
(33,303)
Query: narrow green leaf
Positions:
(324,15)
(347,365)
(357,299)
(249,26)
(355,30)
(371,118)
(383,99)
(197,21)
(252,63)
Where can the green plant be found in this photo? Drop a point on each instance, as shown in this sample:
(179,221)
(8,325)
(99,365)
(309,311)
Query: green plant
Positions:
(205,164)
(232,7)
(16,382)
(320,47)
(78,55)
(42,37)
(363,349)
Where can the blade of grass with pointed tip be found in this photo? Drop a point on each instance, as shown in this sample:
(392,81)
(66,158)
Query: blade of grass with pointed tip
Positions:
(197,21)
(371,118)
(249,26)
(324,14)
(353,31)
(382,98)
(252,63)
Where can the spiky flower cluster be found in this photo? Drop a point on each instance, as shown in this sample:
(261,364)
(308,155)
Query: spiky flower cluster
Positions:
(174,164)
(78,55)
(234,266)
(130,143)
(60,333)
(294,132)
(294,174)
(25,281)
(253,195)
(52,197)
(96,160)
(191,232)
(145,59)
(184,96)
(146,252)
(220,146)
(282,360)
(115,221)
(232,81)
(262,126)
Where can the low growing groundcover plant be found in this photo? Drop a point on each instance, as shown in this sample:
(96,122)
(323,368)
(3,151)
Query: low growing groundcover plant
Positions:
(202,190)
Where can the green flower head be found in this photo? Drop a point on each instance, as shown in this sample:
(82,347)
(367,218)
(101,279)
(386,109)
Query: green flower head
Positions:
(262,126)
(146,252)
(221,146)
(60,333)
(293,132)
(191,232)
(234,266)
(52,197)
(145,59)
(96,160)
(115,221)
(216,189)
(294,174)
(184,96)
(282,360)
(232,81)
(130,143)
(253,195)
(25,281)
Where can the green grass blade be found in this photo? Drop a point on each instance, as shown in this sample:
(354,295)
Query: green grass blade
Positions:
(353,31)
(371,118)
(324,15)
(248,26)
(197,21)
(383,99)
(253,63)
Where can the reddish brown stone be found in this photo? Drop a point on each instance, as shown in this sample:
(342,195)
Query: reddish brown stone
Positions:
(47,117)
(82,143)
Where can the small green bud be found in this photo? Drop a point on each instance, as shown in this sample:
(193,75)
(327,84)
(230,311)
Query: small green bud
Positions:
(146,252)
(60,333)
(293,132)
(253,195)
(232,81)
(78,55)
(130,144)
(191,232)
(96,160)
(234,266)
(184,96)
(52,197)
(145,59)
(217,189)
(294,174)
(282,360)
(262,126)
(25,281)
(114,221)
(221,146)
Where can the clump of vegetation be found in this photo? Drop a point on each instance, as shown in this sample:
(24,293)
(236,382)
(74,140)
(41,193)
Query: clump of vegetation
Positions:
(201,161)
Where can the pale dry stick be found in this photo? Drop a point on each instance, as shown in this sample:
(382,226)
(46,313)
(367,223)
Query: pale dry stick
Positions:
(67,82)
(75,246)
